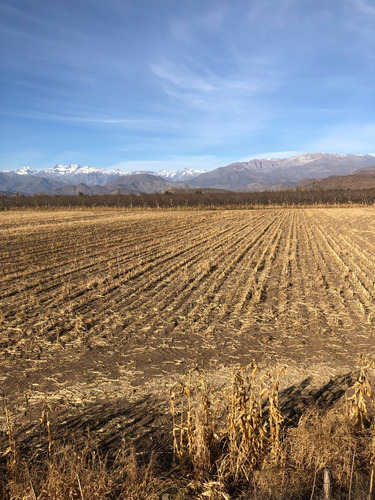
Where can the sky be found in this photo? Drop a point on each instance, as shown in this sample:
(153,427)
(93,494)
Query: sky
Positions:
(151,84)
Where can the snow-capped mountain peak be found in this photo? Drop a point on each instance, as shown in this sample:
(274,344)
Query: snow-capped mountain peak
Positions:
(75,173)
(183,174)
(25,171)
(77,169)
(180,175)
(137,172)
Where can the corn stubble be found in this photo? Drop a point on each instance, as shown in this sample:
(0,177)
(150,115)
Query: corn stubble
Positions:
(308,270)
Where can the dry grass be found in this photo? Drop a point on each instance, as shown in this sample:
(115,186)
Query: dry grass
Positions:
(66,469)
(232,442)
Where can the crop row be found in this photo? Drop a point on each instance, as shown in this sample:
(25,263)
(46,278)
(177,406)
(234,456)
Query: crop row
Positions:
(161,277)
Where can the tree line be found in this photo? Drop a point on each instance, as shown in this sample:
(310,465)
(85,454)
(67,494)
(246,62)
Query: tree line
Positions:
(196,199)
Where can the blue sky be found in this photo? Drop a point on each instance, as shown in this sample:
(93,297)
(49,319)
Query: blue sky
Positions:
(184,83)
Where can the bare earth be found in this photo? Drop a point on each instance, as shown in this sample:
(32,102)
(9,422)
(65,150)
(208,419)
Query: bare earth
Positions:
(102,311)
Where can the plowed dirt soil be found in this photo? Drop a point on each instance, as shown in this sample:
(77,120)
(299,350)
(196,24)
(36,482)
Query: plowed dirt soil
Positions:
(102,311)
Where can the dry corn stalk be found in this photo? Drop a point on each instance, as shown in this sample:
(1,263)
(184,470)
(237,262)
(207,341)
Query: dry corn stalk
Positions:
(193,425)
(46,422)
(356,404)
(227,437)
(245,433)
(275,417)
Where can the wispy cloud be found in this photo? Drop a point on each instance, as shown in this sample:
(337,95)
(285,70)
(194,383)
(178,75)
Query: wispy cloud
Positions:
(345,138)
(237,93)
(173,163)
(208,69)
(207,162)
(181,77)
(131,123)
(184,78)
(364,6)
(275,154)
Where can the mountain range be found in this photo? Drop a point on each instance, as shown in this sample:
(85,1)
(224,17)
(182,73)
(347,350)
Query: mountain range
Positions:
(281,173)
(253,175)
(75,174)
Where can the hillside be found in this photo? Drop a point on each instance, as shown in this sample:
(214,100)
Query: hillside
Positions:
(360,180)
(12,183)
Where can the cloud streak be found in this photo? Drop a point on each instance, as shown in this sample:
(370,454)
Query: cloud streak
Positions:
(347,138)
(172,163)
(134,124)
(211,93)
(364,6)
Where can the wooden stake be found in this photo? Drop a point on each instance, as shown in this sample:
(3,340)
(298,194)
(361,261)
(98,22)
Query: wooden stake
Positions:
(371,484)
(313,488)
(351,477)
(327,488)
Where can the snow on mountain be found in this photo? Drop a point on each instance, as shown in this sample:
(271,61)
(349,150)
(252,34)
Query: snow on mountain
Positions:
(78,174)
(315,157)
(74,174)
(280,172)
(137,172)
(26,171)
(181,175)
(63,170)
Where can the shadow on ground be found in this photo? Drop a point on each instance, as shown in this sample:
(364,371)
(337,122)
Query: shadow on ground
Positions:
(147,423)
(296,399)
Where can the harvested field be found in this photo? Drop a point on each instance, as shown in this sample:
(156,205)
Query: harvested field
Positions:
(102,311)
